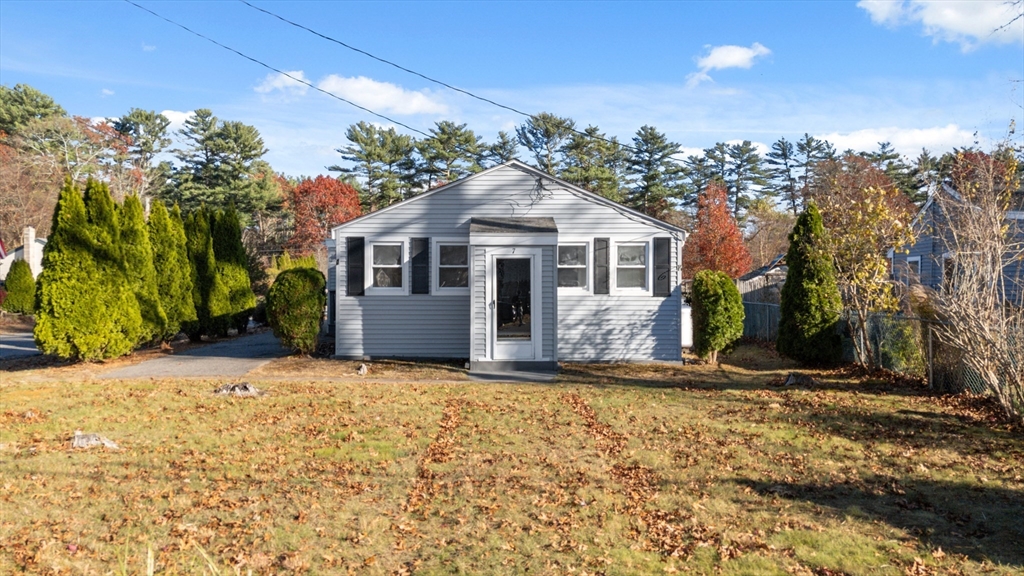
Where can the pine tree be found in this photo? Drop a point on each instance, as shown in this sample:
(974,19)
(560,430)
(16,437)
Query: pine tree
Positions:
(138,255)
(87,309)
(384,159)
(717,313)
(716,242)
(232,263)
(654,175)
(811,303)
(782,171)
(594,162)
(544,135)
(504,149)
(449,153)
(743,175)
(209,294)
(21,289)
(172,269)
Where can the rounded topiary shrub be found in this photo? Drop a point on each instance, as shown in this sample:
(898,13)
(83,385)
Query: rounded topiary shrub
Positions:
(717,313)
(295,307)
(21,289)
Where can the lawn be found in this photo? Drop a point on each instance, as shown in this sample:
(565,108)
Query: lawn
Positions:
(609,470)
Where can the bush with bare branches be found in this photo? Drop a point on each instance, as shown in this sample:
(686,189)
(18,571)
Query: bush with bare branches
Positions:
(981,297)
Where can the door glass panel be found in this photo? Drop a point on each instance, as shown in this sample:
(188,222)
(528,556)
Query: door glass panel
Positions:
(512,311)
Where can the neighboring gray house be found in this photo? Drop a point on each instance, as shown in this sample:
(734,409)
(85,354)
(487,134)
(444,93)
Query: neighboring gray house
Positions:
(510,268)
(929,260)
(31,251)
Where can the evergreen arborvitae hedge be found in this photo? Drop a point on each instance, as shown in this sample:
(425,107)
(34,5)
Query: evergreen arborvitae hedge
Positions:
(173,270)
(295,307)
(138,255)
(209,294)
(21,289)
(86,306)
(717,313)
(811,304)
(233,265)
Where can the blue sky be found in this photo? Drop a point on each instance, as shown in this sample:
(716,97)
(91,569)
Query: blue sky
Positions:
(914,73)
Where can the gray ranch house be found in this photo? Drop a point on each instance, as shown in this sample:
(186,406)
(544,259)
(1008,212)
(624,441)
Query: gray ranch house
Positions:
(929,261)
(510,268)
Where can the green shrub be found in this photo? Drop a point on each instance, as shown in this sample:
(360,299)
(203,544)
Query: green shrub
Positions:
(717,313)
(295,307)
(210,295)
(87,309)
(232,265)
(811,304)
(138,255)
(21,289)
(173,270)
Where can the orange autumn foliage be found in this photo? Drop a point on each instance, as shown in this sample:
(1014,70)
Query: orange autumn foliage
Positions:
(716,242)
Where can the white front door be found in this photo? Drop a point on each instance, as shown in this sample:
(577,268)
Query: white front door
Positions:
(514,309)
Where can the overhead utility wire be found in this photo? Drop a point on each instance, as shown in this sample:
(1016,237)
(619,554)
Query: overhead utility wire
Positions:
(424,76)
(384,60)
(282,72)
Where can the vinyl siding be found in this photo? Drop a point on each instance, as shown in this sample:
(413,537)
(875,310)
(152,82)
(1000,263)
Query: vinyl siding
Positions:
(479,327)
(599,328)
(602,328)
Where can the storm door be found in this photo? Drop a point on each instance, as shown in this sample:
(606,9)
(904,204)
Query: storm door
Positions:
(512,308)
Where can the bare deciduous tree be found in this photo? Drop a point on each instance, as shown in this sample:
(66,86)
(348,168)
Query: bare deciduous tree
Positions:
(981,297)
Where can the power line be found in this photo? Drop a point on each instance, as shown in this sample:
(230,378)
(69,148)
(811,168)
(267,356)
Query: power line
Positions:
(384,60)
(425,77)
(282,72)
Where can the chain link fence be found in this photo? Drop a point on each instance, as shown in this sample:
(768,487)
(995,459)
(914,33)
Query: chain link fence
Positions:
(902,344)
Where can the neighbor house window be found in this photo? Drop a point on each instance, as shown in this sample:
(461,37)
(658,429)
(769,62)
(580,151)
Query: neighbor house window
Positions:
(914,269)
(631,266)
(452,266)
(387,265)
(572,266)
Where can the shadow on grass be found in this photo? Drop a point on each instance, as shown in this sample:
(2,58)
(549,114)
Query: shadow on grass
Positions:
(978,522)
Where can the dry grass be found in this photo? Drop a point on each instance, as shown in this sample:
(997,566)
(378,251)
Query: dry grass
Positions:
(611,470)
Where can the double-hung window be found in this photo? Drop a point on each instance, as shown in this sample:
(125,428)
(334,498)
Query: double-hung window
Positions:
(631,266)
(914,269)
(452,266)
(387,265)
(572,266)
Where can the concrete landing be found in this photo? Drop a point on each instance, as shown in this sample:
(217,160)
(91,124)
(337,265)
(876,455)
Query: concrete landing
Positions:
(514,376)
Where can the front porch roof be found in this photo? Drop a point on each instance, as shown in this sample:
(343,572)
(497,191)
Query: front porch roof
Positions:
(512,226)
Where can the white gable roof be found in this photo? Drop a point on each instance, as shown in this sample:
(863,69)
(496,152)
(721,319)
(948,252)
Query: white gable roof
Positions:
(516,164)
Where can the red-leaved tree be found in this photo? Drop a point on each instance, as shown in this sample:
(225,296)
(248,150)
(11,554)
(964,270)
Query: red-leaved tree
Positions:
(716,242)
(319,205)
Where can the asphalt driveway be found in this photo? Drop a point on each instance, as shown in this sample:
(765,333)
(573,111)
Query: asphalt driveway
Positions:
(236,357)
(17,345)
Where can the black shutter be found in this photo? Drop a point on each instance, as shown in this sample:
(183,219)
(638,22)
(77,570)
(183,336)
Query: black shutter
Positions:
(355,286)
(420,265)
(662,266)
(601,266)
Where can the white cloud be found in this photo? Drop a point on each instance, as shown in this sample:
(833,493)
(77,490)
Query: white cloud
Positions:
(906,141)
(727,56)
(278,81)
(177,119)
(147,47)
(382,97)
(967,22)
(106,92)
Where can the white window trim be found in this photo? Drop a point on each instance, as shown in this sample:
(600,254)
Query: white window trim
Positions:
(916,259)
(372,290)
(613,281)
(589,270)
(435,265)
